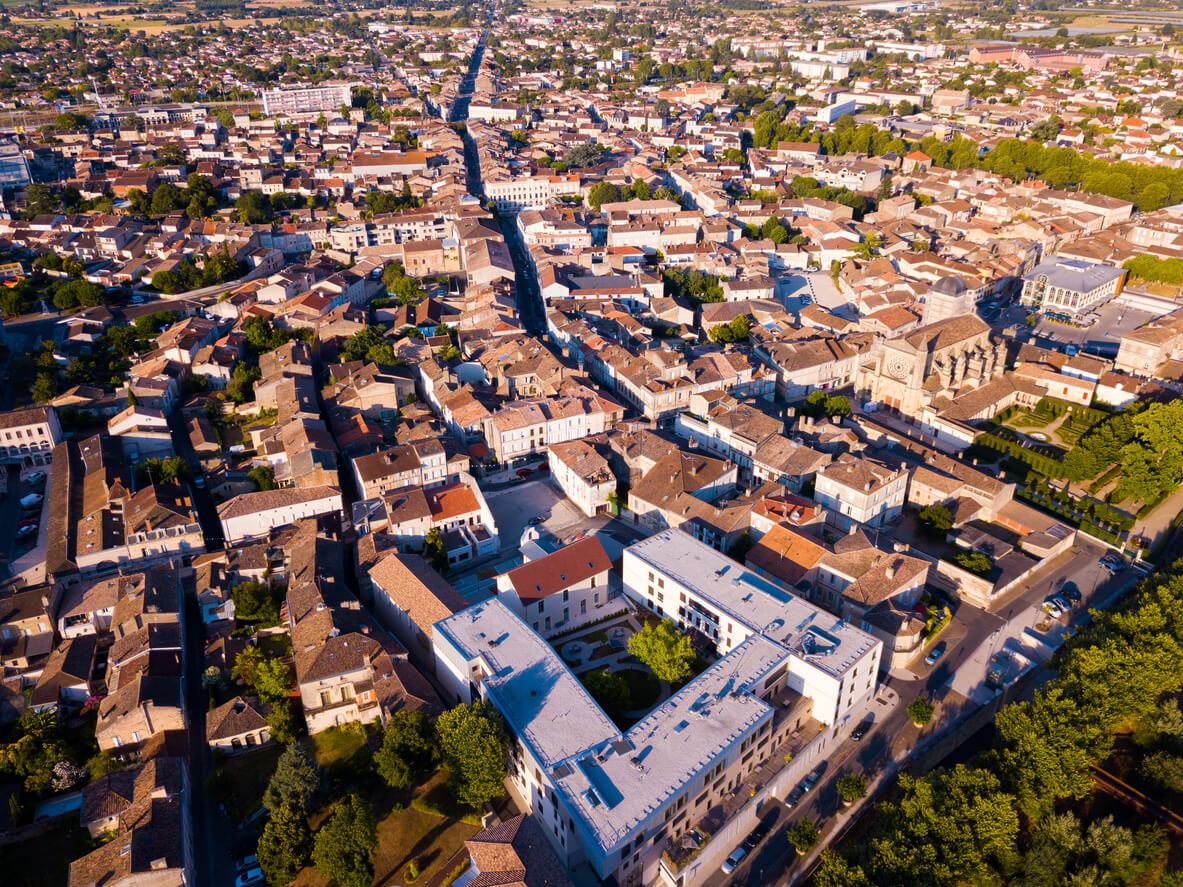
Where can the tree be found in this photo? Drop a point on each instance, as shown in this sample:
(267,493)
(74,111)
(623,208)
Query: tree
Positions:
(285,723)
(285,845)
(296,780)
(601,193)
(257,602)
(974,562)
(609,690)
(433,549)
(920,711)
(472,742)
(263,477)
(936,518)
(408,748)
(44,388)
(253,208)
(344,847)
(664,649)
(851,787)
(803,835)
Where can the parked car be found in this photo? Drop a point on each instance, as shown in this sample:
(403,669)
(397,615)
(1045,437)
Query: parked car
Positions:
(37,477)
(32,500)
(861,730)
(525,472)
(734,859)
(811,778)
(1060,602)
(199,481)
(760,832)
(536,520)
(249,878)
(247,862)
(936,652)
(26,531)
(29,521)
(794,796)
(1051,608)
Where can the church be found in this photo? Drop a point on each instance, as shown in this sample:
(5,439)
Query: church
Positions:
(943,377)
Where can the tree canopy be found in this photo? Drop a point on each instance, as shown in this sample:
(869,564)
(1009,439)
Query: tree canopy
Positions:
(408,748)
(472,742)
(285,845)
(664,649)
(296,780)
(344,847)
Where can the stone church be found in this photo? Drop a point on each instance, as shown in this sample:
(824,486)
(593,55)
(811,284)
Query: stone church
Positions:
(940,361)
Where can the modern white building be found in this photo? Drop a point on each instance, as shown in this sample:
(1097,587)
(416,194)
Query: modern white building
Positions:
(250,515)
(665,801)
(306,99)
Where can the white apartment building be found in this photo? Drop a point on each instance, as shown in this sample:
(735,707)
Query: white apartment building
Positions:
(522,428)
(28,436)
(621,802)
(857,491)
(1070,287)
(564,589)
(522,193)
(306,99)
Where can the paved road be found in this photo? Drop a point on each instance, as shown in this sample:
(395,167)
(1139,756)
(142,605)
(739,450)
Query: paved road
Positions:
(203,503)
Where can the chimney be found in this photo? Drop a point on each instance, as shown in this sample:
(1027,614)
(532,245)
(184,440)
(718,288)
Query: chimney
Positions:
(891,570)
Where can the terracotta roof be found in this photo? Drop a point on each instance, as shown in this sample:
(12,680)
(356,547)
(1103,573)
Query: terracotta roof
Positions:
(570,565)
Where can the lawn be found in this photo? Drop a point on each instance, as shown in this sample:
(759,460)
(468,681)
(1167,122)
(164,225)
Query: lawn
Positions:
(239,783)
(343,753)
(434,840)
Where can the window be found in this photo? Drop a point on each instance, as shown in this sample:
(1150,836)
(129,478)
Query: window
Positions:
(326,697)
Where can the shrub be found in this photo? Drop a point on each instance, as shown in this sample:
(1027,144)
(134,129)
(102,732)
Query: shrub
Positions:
(921,711)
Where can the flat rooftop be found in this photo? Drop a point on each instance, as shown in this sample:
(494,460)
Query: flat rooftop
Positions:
(542,700)
(616,788)
(820,638)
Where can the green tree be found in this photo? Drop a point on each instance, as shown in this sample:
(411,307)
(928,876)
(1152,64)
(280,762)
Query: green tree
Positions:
(296,780)
(253,208)
(408,748)
(664,649)
(45,388)
(851,787)
(285,845)
(344,847)
(257,602)
(937,518)
(803,834)
(974,561)
(601,193)
(433,549)
(263,477)
(609,690)
(284,721)
(920,711)
(472,743)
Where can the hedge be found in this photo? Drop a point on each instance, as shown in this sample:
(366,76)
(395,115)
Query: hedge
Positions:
(1045,465)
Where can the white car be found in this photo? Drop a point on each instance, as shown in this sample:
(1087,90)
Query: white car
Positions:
(1052,609)
(249,878)
(733,860)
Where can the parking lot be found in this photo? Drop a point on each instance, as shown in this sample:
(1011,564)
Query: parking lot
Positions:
(1115,321)
(802,288)
(18,543)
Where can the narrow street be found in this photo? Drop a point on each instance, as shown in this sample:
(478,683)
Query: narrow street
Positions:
(529,299)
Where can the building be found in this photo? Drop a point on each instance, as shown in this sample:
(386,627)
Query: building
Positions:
(583,474)
(324,97)
(238,725)
(514,853)
(857,491)
(949,297)
(563,589)
(27,437)
(1070,287)
(250,515)
(409,599)
(623,802)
